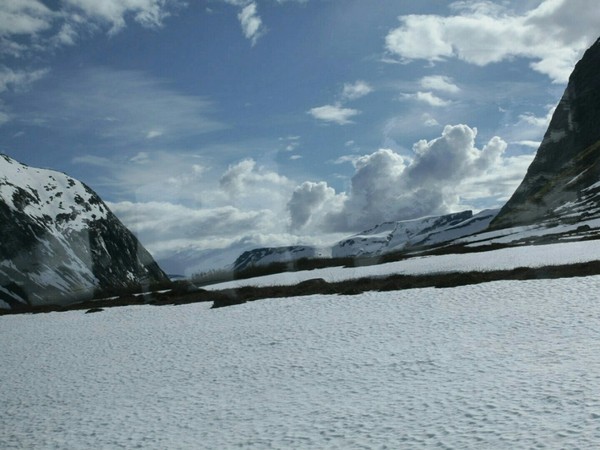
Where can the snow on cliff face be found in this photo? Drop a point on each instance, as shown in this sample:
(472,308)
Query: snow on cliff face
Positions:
(48,196)
(60,242)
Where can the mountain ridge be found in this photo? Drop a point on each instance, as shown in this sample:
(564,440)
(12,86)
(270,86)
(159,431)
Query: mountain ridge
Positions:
(381,239)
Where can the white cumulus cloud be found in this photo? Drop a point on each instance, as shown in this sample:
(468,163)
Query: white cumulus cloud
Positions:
(439,177)
(553,35)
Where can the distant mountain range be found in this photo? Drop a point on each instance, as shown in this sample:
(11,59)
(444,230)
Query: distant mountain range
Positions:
(60,242)
(384,238)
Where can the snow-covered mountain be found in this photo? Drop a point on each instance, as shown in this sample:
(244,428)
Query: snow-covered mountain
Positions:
(269,255)
(562,185)
(394,236)
(60,243)
(384,238)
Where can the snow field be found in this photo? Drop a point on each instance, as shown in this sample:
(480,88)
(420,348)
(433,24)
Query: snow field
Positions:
(503,259)
(495,365)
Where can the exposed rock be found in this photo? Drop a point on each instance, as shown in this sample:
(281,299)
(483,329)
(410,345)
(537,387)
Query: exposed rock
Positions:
(563,182)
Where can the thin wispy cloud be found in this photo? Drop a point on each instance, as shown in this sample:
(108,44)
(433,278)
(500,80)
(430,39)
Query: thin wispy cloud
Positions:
(18,80)
(251,23)
(148,13)
(426,97)
(125,107)
(439,83)
(338,113)
(334,114)
(353,91)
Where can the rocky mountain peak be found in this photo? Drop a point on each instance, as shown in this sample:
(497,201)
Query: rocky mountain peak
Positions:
(60,242)
(560,184)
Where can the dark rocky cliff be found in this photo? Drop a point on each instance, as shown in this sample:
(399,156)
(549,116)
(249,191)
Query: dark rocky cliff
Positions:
(560,184)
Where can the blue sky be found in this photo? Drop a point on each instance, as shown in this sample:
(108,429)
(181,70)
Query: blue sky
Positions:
(223,124)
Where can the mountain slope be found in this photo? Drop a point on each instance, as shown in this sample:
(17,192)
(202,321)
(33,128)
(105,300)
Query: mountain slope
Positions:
(60,242)
(561,183)
(268,255)
(400,235)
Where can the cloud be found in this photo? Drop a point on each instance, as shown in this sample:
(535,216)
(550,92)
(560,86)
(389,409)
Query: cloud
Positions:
(251,22)
(439,83)
(353,91)
(526,143)
(4,116)
(18,80)
(426,97)
(553,35)
(246,177)
(291,143)
(538,122)
(440,176)
(185,204)
(18,17)
(334,113)
(306,200)
(124,107)
(429,120)
(160,176)
(29,26)
(148,13)
(529,127)
(182,201)
(337,113)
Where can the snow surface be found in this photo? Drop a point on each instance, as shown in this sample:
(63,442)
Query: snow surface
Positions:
(497,365)
(503,259)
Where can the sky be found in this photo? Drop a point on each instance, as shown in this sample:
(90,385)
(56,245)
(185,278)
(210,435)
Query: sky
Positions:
(210,126)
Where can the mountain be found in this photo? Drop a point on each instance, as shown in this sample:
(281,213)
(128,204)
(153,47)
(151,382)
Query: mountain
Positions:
(269,255)
(394,236)
(60,243)
(562,185)
(383,238)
